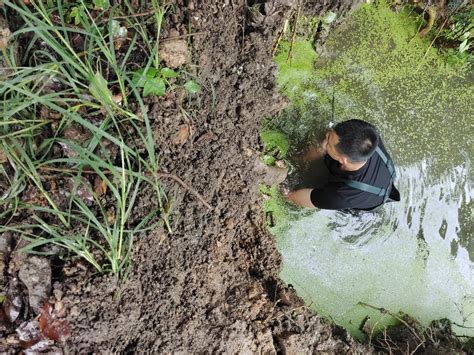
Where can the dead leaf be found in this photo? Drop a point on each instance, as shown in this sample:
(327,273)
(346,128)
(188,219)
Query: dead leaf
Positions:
(100,186)
(53,327)
(182,136)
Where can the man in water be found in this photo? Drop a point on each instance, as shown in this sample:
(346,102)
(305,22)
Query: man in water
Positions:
(361,172)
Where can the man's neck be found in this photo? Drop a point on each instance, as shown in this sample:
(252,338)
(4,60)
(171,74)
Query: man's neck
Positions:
(353,166)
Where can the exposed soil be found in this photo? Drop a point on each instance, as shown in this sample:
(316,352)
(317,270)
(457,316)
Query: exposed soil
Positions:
(213,284)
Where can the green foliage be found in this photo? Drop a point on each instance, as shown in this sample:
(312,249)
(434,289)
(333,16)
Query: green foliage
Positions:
(152,80)
(101,4)
(99,89)
(296,70)
(275,140)
(458,33)
(84,98)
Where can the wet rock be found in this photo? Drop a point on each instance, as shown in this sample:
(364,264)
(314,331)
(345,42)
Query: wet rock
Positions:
(35,273)
(270,175)
(174,52)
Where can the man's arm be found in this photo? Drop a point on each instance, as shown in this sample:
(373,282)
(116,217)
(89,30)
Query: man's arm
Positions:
(301,197)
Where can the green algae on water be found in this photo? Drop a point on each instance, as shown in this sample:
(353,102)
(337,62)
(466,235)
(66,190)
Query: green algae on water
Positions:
(296,70)
(376,68)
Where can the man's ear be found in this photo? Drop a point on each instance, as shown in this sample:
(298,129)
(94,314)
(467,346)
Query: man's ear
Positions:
(344,160)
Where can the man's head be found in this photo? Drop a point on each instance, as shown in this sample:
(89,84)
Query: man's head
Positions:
(353,141)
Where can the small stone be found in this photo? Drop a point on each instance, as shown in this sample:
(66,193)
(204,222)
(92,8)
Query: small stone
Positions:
(35,273)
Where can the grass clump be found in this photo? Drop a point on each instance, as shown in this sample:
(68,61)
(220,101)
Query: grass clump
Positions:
(77,146)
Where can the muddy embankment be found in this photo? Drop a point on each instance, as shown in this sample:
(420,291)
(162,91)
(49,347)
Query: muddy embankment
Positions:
(213,284)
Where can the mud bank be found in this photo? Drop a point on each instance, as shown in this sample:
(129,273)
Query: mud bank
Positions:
(212,285)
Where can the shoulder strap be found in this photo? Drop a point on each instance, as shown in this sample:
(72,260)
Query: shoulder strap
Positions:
(379,191)
(388,163)
(365,187)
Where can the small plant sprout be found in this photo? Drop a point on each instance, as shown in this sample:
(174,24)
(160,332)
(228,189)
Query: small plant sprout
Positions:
(153,81)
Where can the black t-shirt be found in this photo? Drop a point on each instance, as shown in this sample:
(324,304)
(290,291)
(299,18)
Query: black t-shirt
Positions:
(336,195)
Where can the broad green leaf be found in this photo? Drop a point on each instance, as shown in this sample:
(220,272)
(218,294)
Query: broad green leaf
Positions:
(168,73)
(74,14)
(192,87)
(154,86)
(99,89)
(101,4)
(139,77)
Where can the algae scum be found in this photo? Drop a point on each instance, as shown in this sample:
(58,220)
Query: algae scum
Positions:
(415,256)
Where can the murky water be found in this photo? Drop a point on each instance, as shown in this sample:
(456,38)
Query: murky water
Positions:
(415,256)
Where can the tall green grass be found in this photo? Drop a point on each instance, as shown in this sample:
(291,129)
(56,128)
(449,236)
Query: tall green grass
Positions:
(85,99)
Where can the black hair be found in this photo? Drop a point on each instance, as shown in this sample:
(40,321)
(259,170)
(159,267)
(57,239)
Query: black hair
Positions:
(357,139)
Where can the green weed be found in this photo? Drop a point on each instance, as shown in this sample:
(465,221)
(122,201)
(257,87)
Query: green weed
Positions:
(71,87)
